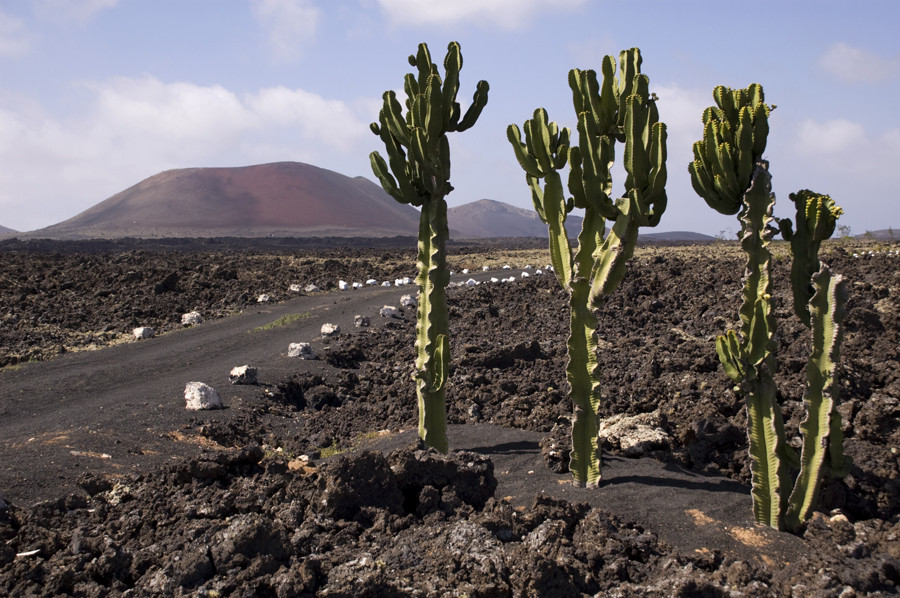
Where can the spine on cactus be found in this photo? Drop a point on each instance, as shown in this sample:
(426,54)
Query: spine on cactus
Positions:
(734,133)
(616,109)
(417,172)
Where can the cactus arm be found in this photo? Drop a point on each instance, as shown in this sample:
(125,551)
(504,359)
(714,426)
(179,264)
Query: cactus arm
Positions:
(555,218)
(479,100)
(827,315)
(816,219)
(526,160)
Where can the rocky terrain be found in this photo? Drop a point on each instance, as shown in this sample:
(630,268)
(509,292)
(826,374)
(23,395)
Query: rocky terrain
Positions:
(265,510)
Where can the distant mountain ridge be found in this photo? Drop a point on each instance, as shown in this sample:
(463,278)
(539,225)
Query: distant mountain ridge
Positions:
(277,199)
(287,199)
(6,231)
(491,218)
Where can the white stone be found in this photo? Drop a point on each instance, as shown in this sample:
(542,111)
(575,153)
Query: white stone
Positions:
(527,267)
(294,288)
(371,282)
(524,275)
(471,282)
(311,288)
(198,395)
(361,321)
(389,311)
(330,329)
(357,285)
(264,298)
(243,374)
(465,270)
(506,267)
(485,268)
(494,279)
(191,318)
(538,272)
(634,435)
(143,332)
(342,285)
(386,283)
(301,350)
(408,301)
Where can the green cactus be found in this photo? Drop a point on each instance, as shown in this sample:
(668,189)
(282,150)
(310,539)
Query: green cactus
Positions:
(618,109)
(418,173)
(734,133)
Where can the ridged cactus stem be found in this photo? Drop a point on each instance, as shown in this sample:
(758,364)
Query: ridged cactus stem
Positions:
(417,172)
(734,132)
(432,334)
(583,369)
(822,436)
(615,110)
(769,458)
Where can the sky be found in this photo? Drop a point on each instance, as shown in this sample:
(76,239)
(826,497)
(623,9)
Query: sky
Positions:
(97,95)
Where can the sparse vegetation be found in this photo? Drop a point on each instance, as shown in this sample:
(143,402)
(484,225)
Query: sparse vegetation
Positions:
(281,322)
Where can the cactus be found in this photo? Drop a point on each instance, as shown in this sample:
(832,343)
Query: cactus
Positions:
(418,173)
(734,136)
(618,109)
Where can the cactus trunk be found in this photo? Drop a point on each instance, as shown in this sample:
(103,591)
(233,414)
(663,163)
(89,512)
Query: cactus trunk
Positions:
(432,334)
(582,374)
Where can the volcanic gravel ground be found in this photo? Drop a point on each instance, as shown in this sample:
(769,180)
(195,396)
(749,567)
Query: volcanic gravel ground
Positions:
(250,517)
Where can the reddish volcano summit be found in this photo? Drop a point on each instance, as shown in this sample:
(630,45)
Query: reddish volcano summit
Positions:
(278,199)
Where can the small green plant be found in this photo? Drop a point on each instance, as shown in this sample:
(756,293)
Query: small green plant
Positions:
(417,172)
(728,172)
(282,321)
(618,109)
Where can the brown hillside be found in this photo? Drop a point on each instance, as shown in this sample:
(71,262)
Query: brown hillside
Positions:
(489,218)
(279,199)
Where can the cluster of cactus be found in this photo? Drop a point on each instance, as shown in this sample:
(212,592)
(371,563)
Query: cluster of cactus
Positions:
(618,109)
(418,154)
(728,172)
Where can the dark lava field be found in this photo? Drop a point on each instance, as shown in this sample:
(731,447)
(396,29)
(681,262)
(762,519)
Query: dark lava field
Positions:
(280,504)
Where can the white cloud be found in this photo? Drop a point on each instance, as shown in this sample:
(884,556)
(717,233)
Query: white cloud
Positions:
(13,36)
(844,149)
(855,65)
(289,24)
(134,128)
(506,14)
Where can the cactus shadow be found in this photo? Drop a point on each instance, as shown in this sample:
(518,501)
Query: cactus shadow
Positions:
(520,447)
(670,475)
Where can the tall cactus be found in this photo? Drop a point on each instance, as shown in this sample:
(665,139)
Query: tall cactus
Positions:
(728,172)
(618,109)
(419,157)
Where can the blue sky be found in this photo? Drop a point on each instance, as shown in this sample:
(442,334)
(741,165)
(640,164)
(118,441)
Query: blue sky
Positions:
(97,95)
